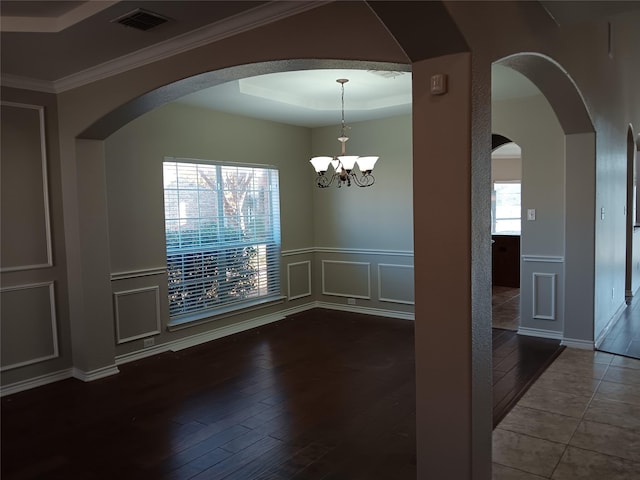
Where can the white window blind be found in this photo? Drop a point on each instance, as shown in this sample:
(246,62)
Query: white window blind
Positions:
(222,225)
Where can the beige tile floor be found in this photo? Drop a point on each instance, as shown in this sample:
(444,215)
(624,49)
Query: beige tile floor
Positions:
(579,420)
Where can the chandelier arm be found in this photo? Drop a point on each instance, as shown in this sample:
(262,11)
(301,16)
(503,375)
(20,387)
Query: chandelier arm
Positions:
(366,180)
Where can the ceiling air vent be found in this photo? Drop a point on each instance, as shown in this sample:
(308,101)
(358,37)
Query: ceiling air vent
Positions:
(141,19)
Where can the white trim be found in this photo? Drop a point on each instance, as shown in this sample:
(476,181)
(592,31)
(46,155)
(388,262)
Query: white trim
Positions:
(54,323)
(96,374)
(347,251)
(365,251)
(197,339)
(206,316)
(121,293)
(26,83)
(142,272)
(378,312)
(612,322)
(289,265)
(34,382)
(348,295)
(577,343)
(297,251)
(542,259)
(535,314)
(539,332)
(391,300)
(45,189)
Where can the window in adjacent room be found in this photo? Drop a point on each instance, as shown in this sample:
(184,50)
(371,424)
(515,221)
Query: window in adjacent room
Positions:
(222,226)
(505,208)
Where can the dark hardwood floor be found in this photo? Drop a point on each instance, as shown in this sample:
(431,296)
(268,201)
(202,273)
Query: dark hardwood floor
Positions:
(624,337)
(321,395)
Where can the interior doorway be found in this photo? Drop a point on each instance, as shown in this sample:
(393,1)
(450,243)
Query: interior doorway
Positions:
(506,182)
(623,336)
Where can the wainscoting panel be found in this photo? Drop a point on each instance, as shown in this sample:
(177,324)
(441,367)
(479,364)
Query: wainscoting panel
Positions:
(346,279)
(544,296)
(298,280)
(137,313)
(28,331)
(24,221)
(395,283)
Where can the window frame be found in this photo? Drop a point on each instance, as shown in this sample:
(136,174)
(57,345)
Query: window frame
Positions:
(268,271)
(494,219)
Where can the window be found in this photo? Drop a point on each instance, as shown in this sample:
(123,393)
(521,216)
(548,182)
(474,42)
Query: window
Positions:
(505,208)
(222,226)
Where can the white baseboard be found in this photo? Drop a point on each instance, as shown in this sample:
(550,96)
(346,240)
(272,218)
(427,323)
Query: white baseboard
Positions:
(197,339)
(96,374)
(35,382)
(367,310)
(612,323)
(539,332)
(577,343)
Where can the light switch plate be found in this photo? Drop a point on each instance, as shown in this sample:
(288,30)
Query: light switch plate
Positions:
(438,84)
(531,214)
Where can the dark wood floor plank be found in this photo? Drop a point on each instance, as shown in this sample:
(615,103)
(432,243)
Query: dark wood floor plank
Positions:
(320,395)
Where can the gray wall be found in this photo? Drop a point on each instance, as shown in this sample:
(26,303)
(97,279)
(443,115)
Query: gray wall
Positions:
(532,124)
(365,235)
(34,329)
(356,259)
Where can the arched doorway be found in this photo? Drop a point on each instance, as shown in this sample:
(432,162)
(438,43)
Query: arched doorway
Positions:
(506,182)
(622,335)
(558,274)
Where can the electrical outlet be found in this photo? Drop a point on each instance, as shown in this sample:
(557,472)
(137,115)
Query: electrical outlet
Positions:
(148,342)
(351,301)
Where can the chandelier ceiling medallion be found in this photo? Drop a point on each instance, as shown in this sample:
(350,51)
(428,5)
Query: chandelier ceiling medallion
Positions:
(344,164)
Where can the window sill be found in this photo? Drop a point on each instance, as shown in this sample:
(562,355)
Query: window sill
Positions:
(192,320)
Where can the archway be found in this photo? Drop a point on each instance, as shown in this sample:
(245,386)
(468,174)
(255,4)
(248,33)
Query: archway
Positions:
(632,270)
(568,273)
(506,182)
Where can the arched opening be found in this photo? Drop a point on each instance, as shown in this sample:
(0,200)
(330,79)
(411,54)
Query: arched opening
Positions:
(506,182)
(557,264)
(622,334)
(438,277)
(632,270)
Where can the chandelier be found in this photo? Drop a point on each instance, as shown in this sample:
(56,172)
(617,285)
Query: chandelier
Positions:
(344,164)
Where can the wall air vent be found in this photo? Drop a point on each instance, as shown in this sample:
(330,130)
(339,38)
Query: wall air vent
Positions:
(141,19)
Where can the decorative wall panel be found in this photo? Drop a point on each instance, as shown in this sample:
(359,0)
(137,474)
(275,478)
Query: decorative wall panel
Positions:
(346,279)
(395,283)
(137,313)
(28,328)
(298,280)
(544,296)
(24,199)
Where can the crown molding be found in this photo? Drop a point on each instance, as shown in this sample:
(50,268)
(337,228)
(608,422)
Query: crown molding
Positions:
(26,83)
(228,27)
